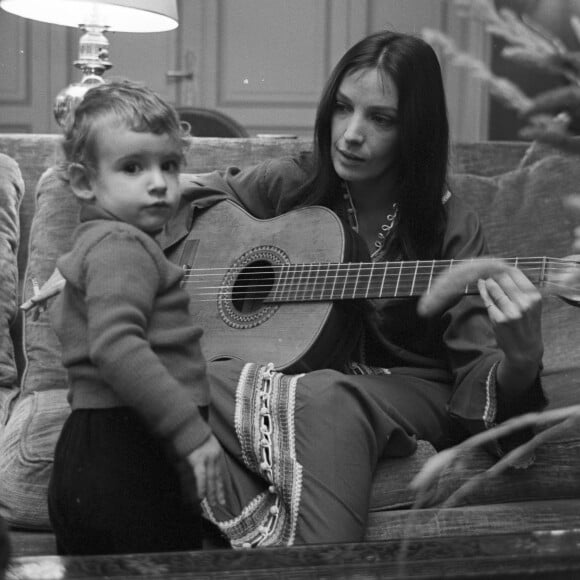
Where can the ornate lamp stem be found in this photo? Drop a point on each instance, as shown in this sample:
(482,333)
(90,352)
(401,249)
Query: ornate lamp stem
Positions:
(93,61)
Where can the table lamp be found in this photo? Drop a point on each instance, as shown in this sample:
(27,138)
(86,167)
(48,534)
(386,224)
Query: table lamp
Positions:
(95,18)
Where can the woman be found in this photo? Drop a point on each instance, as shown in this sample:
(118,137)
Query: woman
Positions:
(301,450)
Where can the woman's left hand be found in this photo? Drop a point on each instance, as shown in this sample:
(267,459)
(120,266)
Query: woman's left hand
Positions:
(514,306)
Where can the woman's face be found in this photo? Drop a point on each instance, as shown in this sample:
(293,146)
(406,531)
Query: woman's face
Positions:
(364,128)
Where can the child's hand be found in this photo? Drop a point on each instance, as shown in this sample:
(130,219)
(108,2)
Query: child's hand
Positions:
(207,464)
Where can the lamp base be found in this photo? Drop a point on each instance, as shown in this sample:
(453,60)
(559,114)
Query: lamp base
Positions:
(71,96)
(93,61)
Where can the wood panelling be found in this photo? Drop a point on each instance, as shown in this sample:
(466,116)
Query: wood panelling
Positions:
(296,34)
(263,62)
(32,71)
(467,96)
(530,555)
(146,58)
(406,15)
(15,66)
(266,61)
(16,128)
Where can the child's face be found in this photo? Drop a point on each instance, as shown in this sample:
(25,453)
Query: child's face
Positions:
(137,176)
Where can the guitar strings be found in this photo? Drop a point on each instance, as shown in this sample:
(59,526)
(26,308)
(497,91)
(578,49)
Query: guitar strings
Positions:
(378,265)
(307,270)
(439,265)
(347,277)
(348,267)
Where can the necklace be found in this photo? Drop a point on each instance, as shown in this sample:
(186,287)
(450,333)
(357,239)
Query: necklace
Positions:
(384,230)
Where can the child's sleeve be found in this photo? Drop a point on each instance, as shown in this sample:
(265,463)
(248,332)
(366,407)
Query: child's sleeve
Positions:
(122,279)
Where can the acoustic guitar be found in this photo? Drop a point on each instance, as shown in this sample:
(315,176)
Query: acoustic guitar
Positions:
(282,290)
(277,290)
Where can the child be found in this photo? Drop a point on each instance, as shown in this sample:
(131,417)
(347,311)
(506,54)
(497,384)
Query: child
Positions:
(135,455)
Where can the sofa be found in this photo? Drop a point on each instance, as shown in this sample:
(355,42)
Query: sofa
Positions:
(516,187)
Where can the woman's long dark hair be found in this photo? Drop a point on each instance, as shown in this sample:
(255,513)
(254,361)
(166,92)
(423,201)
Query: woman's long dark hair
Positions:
(423,140)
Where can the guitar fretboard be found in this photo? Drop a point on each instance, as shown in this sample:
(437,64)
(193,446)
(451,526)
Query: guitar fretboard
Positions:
(322,282)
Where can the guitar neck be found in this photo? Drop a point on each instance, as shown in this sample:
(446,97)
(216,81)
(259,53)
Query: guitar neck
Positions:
(322,282)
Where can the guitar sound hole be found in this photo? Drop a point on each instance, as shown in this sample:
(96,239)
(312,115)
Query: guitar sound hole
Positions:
(252,286)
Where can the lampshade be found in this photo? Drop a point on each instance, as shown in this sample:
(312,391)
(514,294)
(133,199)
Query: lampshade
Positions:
(119,15)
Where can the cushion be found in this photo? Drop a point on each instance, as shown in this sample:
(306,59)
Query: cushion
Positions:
(26,457)
(11,192)
(525,517)
(522,210)
(553,475)
(523,216)
(38,415)
(392,477)
(54,221)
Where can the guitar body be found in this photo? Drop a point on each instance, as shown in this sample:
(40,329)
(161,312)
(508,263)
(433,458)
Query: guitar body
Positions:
(295,336)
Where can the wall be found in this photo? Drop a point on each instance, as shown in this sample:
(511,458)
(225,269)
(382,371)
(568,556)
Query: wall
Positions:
(262,62)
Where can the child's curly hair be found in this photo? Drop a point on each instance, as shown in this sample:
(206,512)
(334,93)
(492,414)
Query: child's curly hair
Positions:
(129,104)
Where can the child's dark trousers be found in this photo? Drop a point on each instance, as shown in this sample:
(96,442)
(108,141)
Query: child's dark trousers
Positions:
(114,489)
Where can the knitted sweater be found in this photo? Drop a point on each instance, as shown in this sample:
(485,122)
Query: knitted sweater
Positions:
(126,333)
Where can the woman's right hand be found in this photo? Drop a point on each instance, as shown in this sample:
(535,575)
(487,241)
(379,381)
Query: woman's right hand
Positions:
(207,463)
